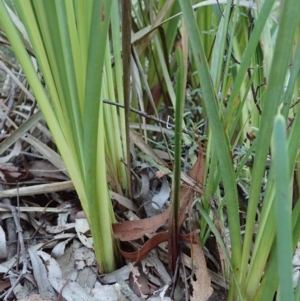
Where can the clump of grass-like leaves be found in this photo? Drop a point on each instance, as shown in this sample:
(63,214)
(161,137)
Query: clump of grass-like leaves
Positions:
(70,44)
(239,69)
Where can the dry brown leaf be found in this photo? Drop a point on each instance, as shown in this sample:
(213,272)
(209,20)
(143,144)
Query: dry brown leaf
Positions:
(138,281)
(202,289)
(132,230)
(153,242)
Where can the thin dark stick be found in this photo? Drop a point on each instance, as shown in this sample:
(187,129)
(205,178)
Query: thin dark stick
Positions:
(295,103)
(186,291)
(254,93)
(19,231)
(174,280)
(19,218)
(126,60)
(143,114)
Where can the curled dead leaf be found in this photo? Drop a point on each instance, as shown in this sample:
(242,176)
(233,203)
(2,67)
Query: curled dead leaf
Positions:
(153,242)
(132,230)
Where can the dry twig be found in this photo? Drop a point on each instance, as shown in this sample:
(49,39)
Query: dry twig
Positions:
(6,205)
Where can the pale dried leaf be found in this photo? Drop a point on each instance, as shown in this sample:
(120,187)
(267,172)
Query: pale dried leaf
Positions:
(15,152)
(81,227)
(6,215)
(84,257)
(66,263)
(72,291)
(34,298)
(40,276)
(6,266)
(64,236)
(87,277)
(63,218)
(127,203)
(106,292)
(59,249)
(3,269)
(32,209)
(202,289)
(25,288)
(59,229)
(3,251)
(163,195)
(37,189)
(119,275)
(153,261)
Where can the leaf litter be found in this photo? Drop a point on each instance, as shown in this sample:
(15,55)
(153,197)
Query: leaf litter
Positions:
(54,279)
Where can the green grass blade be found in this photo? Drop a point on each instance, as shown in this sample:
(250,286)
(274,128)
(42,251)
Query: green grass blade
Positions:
(94,151)
(17,134)
(69,39)
(269,282)
(39,92)
(219,139)
(283,209)
(282,52)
